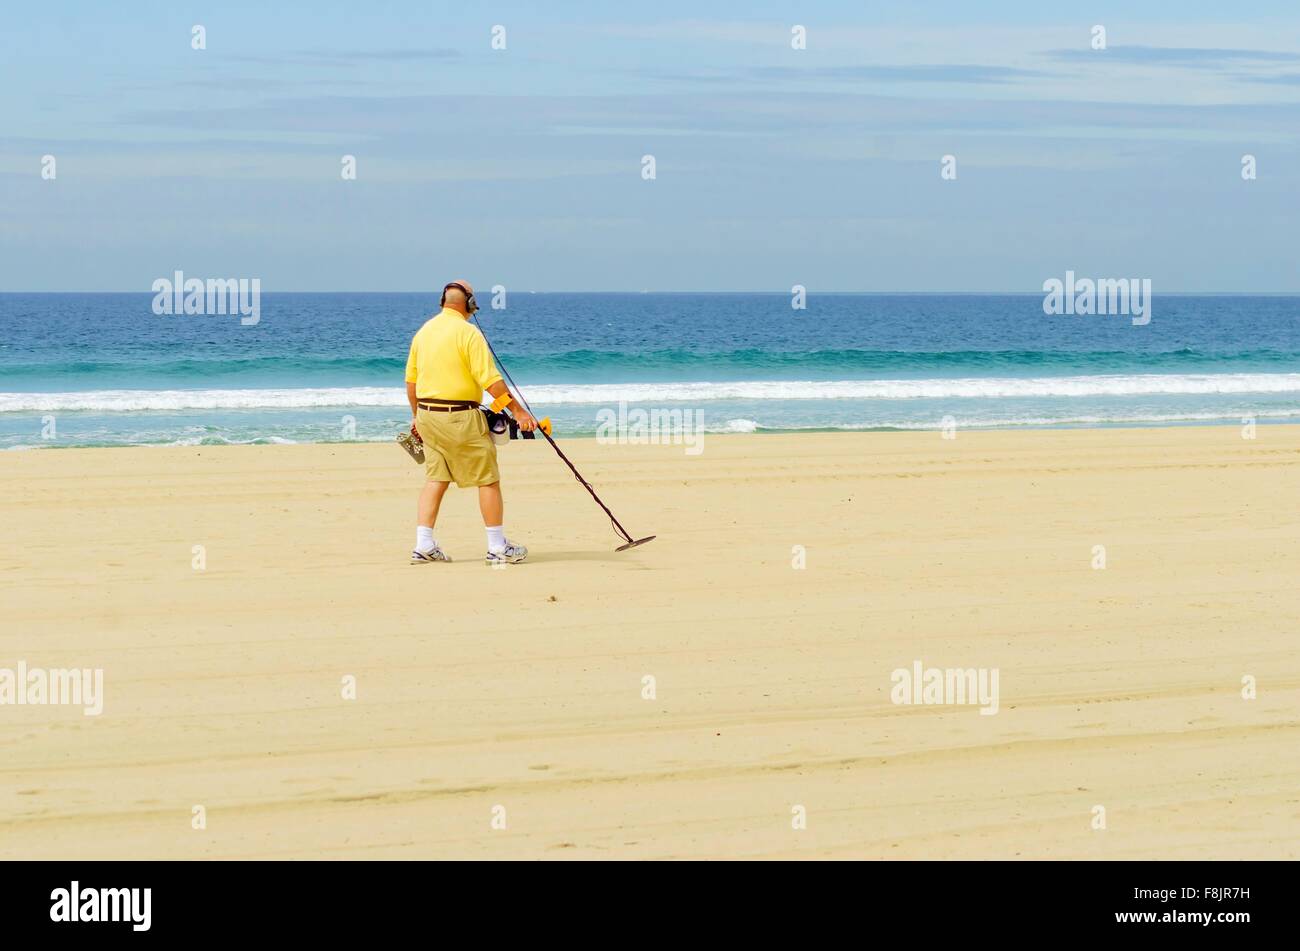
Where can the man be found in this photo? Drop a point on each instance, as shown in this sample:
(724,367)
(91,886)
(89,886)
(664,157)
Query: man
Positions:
(447,371)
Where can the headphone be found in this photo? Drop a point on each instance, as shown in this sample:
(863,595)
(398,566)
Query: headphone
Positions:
(471,304)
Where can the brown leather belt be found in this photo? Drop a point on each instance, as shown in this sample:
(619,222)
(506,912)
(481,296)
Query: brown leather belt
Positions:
(446,406)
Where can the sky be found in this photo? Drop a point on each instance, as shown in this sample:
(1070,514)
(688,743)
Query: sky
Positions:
(773,166)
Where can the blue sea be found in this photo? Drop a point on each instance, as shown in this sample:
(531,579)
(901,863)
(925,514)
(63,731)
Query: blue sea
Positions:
(105,370)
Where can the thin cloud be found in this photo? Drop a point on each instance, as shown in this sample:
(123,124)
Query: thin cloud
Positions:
(405,122)
(955,73)
(349,57)
(1186,56)
(918,73)
(1281,79)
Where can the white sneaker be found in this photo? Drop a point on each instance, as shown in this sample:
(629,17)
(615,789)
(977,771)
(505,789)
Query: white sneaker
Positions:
(425,557)
(512,554)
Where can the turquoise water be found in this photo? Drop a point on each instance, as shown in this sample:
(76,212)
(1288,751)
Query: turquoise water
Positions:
(103,369)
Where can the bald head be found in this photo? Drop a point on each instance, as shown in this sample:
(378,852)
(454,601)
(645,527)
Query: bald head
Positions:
(457,299)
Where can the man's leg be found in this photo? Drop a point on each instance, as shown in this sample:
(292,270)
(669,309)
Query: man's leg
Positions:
(430,498)
(493,508)
(491,505)
(427,514)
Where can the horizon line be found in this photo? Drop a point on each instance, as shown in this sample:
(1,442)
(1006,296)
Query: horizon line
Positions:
(684,293)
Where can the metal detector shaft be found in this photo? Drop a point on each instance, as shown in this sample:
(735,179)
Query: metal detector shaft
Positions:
(586,485)
(622,532)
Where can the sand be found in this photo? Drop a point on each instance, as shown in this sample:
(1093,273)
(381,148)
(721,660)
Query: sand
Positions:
(505,713)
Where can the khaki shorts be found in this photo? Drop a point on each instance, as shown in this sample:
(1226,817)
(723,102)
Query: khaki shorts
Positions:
(457,447)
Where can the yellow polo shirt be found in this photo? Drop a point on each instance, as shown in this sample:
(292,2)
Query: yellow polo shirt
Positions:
(450,360)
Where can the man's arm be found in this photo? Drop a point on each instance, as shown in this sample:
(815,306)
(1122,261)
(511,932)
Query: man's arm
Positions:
(412,374)
(521,415)
(483,368)
(414,401)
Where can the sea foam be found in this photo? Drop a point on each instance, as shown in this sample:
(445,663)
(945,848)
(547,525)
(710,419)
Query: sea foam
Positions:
(122,401)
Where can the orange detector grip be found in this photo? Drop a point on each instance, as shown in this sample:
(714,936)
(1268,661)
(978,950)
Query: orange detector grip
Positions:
(544,424)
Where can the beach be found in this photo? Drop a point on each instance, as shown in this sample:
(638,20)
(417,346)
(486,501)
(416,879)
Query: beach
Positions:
(508,713)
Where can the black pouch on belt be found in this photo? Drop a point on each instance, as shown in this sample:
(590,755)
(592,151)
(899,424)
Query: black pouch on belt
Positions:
(501,426)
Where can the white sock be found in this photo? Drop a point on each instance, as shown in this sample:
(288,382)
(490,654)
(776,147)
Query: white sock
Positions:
(424,542)
(496,538)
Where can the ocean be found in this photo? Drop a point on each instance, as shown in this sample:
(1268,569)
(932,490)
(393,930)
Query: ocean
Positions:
(105,370)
